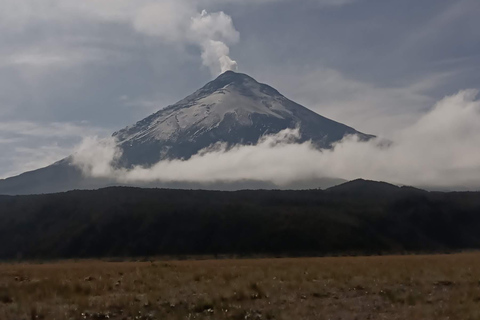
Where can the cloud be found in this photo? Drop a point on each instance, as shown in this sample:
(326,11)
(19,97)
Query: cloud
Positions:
(440,26)
(31,158)
(28,145)
(167,20)
(173,21)
(97,157)
(48,130)
(177,22)
(365,106)
(170,21)
(258,2)
(438,151)
(56,57)
(215,26)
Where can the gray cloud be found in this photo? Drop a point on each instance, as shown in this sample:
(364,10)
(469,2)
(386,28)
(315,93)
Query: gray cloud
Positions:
(365,106)
(28,145)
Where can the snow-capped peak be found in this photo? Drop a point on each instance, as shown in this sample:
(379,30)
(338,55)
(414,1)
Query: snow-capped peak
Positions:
(234,108)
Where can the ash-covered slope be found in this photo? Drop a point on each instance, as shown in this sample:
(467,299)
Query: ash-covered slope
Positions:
(234,109)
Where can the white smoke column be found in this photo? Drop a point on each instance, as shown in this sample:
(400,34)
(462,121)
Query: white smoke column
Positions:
(213,32)
(215,56)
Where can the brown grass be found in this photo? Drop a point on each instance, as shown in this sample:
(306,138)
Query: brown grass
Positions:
(395,287)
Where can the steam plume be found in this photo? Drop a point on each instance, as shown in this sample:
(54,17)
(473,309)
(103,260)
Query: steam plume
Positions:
(179,22)
(213,32)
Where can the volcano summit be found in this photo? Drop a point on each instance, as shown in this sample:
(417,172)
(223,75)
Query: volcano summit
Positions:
(234,109)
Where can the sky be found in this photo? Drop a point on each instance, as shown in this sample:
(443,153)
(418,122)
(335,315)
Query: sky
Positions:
(76,69)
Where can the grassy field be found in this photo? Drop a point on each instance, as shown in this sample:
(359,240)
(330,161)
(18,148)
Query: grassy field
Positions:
(388,287)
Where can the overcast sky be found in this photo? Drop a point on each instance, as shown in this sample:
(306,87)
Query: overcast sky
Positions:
(71,69)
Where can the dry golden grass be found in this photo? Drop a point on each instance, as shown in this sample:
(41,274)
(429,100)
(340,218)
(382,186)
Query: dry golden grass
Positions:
(394,287)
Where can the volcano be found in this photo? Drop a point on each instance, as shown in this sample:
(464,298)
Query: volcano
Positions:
(234,109)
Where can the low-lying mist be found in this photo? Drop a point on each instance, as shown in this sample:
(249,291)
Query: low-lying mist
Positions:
(440,151)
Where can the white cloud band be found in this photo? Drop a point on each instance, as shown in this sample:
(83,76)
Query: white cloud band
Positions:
(440,151)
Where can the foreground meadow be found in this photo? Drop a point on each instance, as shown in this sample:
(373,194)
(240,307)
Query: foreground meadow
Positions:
(387,287)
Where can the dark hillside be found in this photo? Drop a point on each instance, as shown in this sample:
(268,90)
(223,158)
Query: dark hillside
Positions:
(361,188)
(144,222)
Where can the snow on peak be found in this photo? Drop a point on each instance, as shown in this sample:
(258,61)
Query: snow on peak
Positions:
(232,109)
(230,94)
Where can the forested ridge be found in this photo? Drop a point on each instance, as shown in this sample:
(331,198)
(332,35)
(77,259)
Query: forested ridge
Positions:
(359,217)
